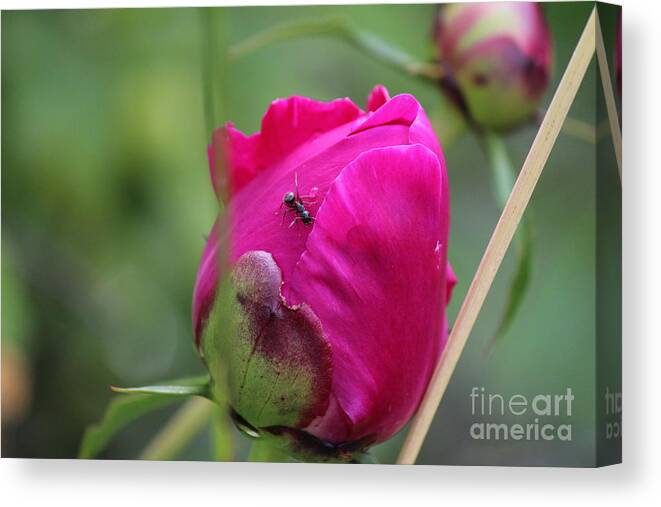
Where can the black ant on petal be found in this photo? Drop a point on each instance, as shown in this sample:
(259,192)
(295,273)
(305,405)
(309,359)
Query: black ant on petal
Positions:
(296,203)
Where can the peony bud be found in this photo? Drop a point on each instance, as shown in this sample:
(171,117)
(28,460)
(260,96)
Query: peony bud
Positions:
(339,319)
(495,59)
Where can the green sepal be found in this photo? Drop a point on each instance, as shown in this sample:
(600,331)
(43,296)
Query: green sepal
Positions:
(123,410)
(271,359)
(281,444)
(197,387)
(306,448)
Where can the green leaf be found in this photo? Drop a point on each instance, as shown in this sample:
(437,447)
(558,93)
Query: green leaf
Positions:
(520,281)
(503,178)
(166,390)
(119,413)
(123,410)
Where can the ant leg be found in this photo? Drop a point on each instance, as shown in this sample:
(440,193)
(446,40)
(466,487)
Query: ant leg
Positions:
(296,183)
(293,222)
(308,199)
(284,215)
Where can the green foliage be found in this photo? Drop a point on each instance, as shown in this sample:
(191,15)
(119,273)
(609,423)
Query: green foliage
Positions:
(197,387)
(124,409)
(503,178)
(119,413)
(520,280)
(339,27)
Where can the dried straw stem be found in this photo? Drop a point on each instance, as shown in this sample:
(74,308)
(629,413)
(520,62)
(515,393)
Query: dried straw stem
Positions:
(613,118)
(501,238)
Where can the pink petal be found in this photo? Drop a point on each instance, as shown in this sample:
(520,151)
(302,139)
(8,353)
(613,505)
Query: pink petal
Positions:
(378,96)
(423,133)
(286,126)
(451,281)
(256,214)
(259,222)
(374,272)
(400,110)
(204,292)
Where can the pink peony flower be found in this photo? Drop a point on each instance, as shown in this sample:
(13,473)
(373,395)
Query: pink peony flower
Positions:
(496,58)
(341,320)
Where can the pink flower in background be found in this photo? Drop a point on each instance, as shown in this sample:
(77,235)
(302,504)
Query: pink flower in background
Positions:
(340,321)
(496,59)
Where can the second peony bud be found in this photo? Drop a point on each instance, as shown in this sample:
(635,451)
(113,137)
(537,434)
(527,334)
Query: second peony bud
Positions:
(495,59)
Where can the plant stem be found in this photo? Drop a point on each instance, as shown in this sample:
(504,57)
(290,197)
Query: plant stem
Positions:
(215,77)
(340,28)
(263,451)
(214,65)
(502,171)
(392,56)
(221,431)
(579,130)
(187,422)
(575,128)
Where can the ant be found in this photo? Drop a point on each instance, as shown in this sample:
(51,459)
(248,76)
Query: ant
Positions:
(296,203)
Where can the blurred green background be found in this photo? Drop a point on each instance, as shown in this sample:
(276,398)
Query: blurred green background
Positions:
(106,198)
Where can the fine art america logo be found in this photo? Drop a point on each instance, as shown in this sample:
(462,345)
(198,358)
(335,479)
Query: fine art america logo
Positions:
(613,402)
(538,414)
